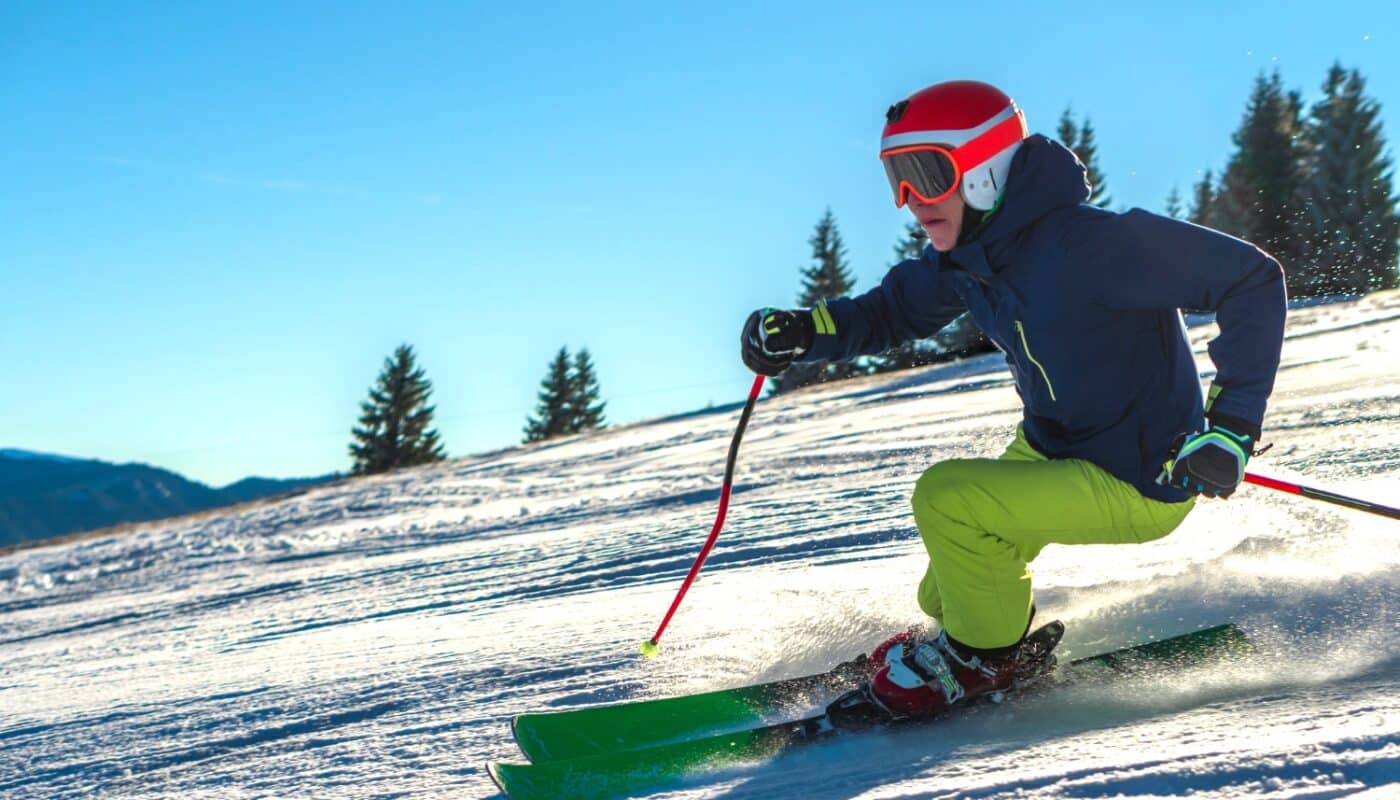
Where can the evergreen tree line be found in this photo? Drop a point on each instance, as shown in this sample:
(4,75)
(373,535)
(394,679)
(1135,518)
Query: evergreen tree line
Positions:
(394,428)
(1313,187)
(1314,190)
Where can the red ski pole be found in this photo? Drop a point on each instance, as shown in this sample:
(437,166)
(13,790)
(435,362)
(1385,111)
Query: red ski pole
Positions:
(652,646)
(1318,494)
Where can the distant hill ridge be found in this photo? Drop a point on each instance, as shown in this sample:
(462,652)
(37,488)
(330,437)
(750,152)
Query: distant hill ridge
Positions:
(44,495)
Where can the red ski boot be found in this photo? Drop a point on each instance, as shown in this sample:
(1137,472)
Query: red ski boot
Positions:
(877,657)
(926,678)
(912,677)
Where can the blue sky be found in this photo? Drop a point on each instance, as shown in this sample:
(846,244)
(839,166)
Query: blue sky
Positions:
(217,219)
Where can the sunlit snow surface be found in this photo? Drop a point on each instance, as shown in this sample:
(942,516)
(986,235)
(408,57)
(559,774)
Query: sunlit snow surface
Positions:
(373,639)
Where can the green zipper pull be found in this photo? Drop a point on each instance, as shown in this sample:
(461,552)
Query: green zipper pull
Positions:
(1021,329)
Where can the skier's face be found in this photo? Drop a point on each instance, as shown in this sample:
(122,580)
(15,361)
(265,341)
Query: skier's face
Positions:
(941,220)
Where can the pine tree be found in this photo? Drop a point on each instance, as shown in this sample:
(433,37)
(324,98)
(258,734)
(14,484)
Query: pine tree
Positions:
(1088,152)
(1261,192)
(830,274)
(1202,200)
(394,430)
(1067,132)
(1353,231)
(585,400)
(1224,215)
(1173,206)
(828,277)
(554,416)
(1086,149)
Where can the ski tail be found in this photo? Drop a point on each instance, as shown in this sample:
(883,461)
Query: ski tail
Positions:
(1222,641)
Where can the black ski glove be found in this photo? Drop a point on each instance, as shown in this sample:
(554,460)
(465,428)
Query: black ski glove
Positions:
(773,339)
(1211,463)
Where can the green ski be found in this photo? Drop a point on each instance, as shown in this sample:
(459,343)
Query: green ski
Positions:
(631,726)
(625,760)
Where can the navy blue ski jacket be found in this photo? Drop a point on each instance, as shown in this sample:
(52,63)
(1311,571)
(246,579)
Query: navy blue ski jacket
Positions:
(1084,302)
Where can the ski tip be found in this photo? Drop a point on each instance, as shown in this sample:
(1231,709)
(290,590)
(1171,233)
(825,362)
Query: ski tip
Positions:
(514,734)
(491,770)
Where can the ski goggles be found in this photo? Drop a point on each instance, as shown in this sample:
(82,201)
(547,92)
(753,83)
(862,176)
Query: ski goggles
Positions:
(927,171)
(931,170)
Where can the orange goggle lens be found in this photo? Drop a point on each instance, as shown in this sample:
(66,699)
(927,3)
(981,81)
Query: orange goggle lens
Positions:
(927,171)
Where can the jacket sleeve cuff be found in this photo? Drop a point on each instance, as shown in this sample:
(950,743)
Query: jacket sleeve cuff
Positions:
(1232,411)
(826,345)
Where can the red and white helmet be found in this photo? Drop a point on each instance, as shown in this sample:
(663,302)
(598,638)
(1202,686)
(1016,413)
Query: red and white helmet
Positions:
(952,134)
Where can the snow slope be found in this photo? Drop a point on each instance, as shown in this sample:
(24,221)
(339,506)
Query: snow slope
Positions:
(373,638)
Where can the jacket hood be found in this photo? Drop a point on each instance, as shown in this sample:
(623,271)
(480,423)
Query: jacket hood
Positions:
(1044,176)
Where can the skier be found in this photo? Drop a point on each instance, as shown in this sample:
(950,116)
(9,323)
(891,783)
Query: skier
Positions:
(1115,442)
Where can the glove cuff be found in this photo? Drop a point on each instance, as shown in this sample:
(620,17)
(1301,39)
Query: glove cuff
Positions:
(808,328)
(1234,425)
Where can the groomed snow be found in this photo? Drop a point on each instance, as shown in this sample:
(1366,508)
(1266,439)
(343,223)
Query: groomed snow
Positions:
(373,639)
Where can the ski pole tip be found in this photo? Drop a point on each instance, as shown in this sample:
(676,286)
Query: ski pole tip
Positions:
(650,648)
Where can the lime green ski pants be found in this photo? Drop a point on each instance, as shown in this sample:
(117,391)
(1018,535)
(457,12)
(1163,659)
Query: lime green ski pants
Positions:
(983,520)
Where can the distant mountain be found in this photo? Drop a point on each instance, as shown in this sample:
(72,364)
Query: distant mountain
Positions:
(254,488)
(44,495)
(23,455)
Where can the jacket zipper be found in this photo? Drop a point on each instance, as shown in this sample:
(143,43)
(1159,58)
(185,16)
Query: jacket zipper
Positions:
(1025,346)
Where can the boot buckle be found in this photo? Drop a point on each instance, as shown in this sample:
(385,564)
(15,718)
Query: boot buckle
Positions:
(930,662)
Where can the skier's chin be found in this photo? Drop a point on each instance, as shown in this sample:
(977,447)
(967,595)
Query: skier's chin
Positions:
(941,235)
